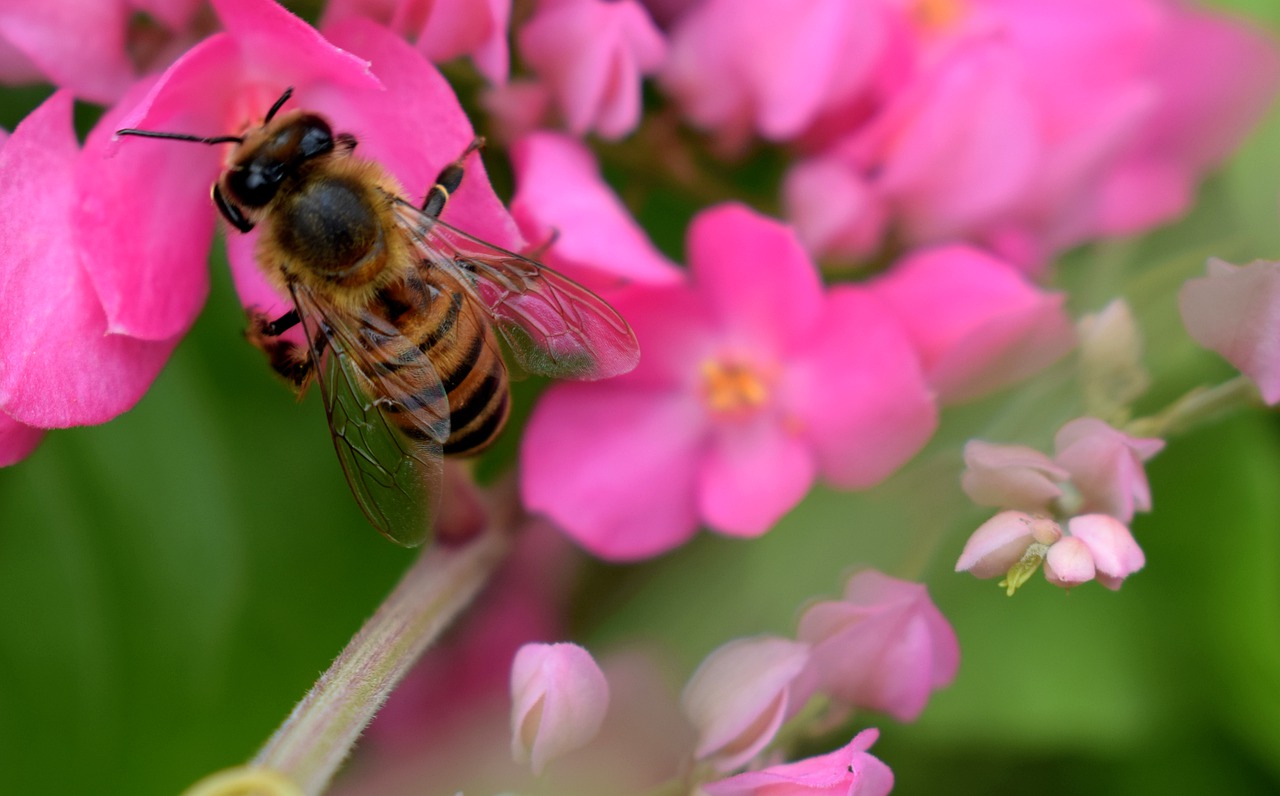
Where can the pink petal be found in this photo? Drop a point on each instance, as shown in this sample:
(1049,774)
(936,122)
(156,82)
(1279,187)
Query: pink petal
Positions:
(76,45)
(59,365)
(857,392)
(1010,476)
(763,289)
(17,441)
(468,27)
(849,771)
(614,466)
(675,333)
(739,696)
(1115,552)
(1069,563)
(976,322)
(559,697)
(1106,466)
(753,473)
(834,210)
(559,191)
(1235,311)
(1001,541)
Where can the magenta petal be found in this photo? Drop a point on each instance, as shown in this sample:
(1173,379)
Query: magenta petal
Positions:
(859,394)
(614,466)
(414,128)
(752,474)
(835,211)
(59,366)
(16,440)
(849,771)
(469,27)
(560,191)
(77,45)
(756,276)
(277,45)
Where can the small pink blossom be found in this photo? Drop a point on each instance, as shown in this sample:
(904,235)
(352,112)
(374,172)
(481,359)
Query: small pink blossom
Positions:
(772,65)
(441,29)
(560,195)
(1235,311)
(753,382)
(1000,542)
(1069,563)
(1010,476)
(94,48)
(60,362)
(741,695)
(884,646)
(517,108)
(559,697)
(592,54)
(1115,553)
(1106,466)
(849,771)
(978,324)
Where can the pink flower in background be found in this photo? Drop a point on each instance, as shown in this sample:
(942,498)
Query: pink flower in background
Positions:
(773,65)
(559,193)
(593,54)
(145,208)
(1235,311)
(753,382)
(1115,554)
(1010,476)
(441,29)
(1105,465)
(884,646)
(558,701)
(741,694)
(94,48)
(849,771)
(61,364)
(976,322)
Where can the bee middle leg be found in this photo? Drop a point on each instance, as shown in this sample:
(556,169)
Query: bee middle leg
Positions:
(293,362)
(447,182)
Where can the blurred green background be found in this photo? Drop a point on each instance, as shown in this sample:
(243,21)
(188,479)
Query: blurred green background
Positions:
(172,582)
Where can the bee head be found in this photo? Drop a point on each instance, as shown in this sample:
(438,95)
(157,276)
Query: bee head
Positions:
(273,154)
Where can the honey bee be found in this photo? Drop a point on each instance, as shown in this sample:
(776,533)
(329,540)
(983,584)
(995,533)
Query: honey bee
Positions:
(402,312)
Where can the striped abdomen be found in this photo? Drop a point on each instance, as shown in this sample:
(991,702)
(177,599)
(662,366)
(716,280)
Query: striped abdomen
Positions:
(459,342)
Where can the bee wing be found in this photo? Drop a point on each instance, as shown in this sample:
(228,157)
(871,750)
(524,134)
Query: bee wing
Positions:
(552,325)
(395,473)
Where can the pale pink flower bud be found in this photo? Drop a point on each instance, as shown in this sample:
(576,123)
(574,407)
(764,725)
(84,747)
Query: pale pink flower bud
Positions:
(884,646)
(1235,311)
(1069,563)
(1106,466)
(1111,370)
(740,695)
(1010,476)
(850,771)
(558,701)
(1116,554)
(1001,541)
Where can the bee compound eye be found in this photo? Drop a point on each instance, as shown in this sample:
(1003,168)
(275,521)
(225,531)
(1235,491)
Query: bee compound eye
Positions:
(254,185)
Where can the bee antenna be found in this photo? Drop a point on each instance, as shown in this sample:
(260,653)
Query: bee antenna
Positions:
(288,92)
(217,139)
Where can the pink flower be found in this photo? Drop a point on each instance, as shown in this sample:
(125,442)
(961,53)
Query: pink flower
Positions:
(976,322)
(1114,552)
(752,383)
(441,29)
(593,54)
(61,364)
(1010,476)
(559,697)
(1106,466)
(1000,542)
(741,695)
(144,204)
(1235,311)
(559,193)
(849,771)
(773,65)
(94,48)
(884,646)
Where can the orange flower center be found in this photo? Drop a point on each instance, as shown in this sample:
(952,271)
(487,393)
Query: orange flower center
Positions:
(732,388)
(938,14)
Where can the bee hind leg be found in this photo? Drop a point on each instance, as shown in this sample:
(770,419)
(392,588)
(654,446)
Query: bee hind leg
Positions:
(447,182)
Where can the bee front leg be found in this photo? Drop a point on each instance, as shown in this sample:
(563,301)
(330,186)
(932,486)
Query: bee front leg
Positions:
(292,361)
(447,182)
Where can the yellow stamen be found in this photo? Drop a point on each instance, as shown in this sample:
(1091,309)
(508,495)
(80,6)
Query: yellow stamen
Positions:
(732,387)
(939,14)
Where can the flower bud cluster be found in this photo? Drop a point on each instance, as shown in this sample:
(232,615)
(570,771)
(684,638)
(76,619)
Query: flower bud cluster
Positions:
(1069,513)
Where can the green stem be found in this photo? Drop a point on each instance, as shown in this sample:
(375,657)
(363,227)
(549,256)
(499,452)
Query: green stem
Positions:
(1200,406)
(314,740)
